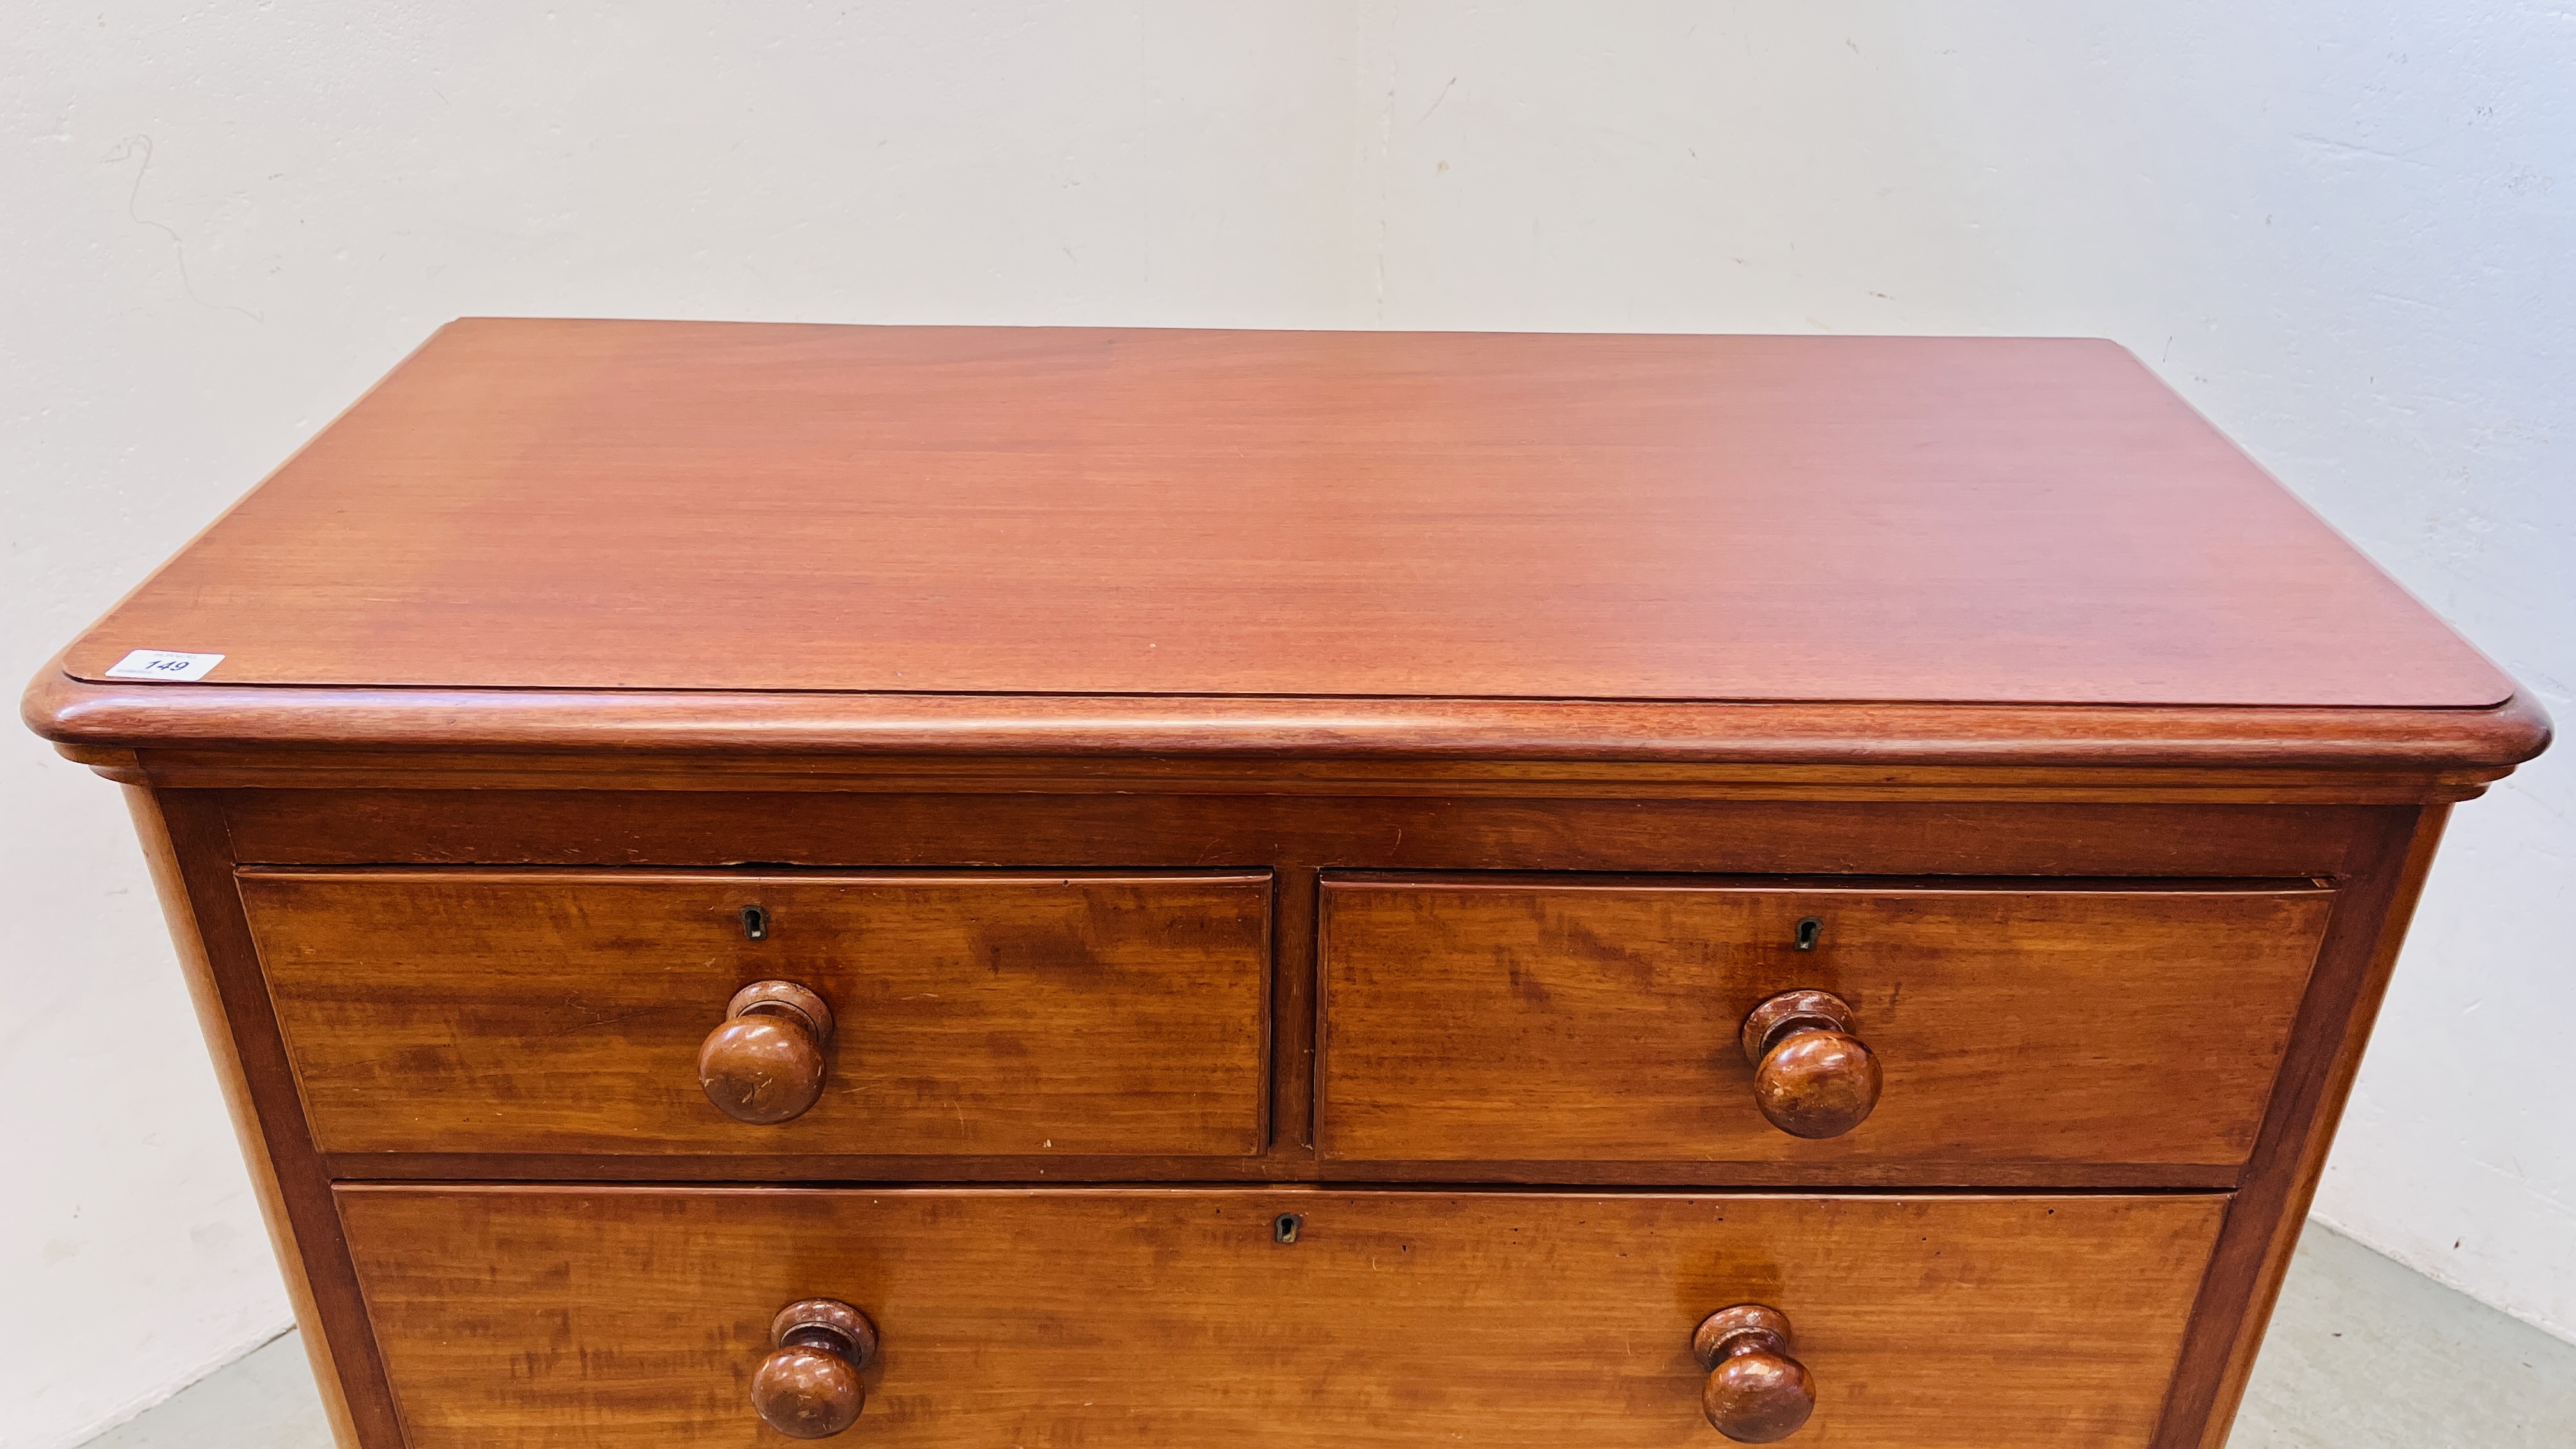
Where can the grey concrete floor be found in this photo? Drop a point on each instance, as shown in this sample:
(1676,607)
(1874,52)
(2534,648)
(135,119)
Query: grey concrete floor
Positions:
(264,1401)
(2363,1354)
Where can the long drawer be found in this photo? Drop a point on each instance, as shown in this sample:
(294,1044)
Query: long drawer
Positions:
(568,1011)
(1560,1020)
(555,1317)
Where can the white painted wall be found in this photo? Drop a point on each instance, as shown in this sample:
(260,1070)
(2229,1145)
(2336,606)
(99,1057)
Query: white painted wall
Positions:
(2344,231)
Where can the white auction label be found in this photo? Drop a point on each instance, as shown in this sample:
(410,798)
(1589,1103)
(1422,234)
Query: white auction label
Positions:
(163,664)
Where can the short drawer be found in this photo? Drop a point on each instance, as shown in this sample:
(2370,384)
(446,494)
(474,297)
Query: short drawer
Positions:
(552,1317)
(2018,1029)
(564,1011)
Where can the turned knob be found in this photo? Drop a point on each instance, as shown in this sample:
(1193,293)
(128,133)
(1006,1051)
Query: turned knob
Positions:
(1812,1076)
(765,1063)
(808,1387)
(1756,1393)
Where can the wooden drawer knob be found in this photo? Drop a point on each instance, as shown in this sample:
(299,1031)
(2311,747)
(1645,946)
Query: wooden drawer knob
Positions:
(765,1063)
(808,1387)
(1756,1393)
(1812,1075)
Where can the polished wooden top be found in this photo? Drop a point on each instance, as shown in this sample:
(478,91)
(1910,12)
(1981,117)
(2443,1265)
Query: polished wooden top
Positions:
(735,507)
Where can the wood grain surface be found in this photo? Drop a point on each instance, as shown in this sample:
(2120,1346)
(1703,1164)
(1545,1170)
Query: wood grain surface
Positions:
(696,506)
(217,736)
(1295,835)
(2266,1215)
(1108,829)
(548,1318)
(162,853)
(546,1011)
(1527,1018)
(1011,671)
(321,1282)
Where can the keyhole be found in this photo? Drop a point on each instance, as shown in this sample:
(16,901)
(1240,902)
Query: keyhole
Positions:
(755,923)
(1808,930)
(1285,1229)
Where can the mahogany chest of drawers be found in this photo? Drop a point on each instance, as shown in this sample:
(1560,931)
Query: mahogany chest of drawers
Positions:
(961,887)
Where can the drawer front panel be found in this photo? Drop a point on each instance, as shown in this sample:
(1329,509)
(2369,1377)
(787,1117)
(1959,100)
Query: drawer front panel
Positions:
(536,1011)
(1514,1020)
(547,1318)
